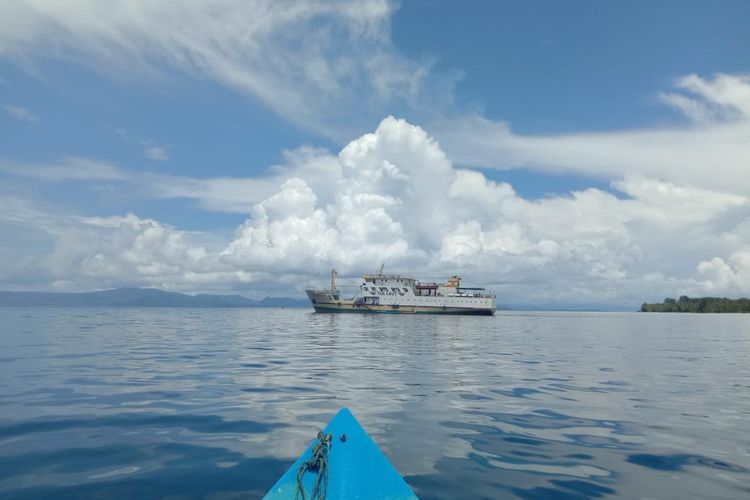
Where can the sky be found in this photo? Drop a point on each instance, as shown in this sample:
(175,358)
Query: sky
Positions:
(578,154)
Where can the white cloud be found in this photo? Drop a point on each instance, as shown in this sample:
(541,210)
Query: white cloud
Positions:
(311,62)
(712,153)
(724,277)
(395,196)
(721,98)
(317,167)
(69,169)
(730,92)
(20,113)
(122,246)
(22,212)
(693,109)
(156,153)
(668,204)
(220,194)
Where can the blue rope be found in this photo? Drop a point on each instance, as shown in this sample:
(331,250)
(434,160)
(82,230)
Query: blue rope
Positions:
(318,462)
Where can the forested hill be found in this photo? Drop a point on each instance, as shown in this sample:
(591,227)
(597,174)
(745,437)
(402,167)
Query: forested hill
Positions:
(700,305)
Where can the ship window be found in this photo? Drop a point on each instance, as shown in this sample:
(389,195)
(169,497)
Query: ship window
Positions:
(406,290)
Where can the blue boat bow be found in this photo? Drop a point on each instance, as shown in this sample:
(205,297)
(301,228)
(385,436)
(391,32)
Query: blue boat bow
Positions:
(357,469)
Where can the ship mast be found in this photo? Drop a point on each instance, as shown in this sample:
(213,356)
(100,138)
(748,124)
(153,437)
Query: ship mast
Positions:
(333,280)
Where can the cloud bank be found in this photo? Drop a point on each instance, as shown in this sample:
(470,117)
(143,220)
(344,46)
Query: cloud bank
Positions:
(393,195)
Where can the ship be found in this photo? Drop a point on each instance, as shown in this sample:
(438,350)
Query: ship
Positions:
(398,294)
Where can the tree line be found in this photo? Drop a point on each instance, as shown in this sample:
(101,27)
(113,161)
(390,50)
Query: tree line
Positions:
(700,305)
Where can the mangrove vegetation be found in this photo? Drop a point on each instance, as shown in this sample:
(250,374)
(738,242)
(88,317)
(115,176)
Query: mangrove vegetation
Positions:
(700,305)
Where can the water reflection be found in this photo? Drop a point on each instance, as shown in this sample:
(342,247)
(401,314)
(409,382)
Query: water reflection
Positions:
(213,403)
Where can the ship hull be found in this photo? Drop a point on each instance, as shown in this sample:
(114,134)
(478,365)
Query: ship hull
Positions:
(421,310)
(348,306)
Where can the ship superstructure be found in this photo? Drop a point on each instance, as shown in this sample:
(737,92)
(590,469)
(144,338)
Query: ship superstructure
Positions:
(395,293)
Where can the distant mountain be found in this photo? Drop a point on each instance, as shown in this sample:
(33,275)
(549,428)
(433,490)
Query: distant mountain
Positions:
(140,297)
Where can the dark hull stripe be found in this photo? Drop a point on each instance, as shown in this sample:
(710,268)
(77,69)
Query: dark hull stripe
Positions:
(465,312)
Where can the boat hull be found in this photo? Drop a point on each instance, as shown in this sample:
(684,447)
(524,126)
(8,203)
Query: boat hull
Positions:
(393,302)
(357,468)
(385,309)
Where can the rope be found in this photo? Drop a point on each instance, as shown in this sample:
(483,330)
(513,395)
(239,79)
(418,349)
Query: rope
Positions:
(353,282)
(318,462)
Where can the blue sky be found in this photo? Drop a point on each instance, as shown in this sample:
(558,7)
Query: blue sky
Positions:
(146,121)
(566,66)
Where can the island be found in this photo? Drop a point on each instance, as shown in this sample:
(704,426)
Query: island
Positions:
(700,305)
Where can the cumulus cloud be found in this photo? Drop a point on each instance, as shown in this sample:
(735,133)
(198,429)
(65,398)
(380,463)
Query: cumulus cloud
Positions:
(130,246)
(280,52)
(722,276)
(81,253)
(20,113)
(396,196)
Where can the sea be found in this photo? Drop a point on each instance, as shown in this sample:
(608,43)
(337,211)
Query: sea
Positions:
(123,403)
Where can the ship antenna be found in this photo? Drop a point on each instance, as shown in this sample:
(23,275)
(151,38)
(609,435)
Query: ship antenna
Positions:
(381,268)
(333,280)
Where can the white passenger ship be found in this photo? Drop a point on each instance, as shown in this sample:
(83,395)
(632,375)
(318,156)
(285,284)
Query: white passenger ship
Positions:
(394,293)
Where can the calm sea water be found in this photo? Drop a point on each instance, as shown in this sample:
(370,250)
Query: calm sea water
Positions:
(217,403)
